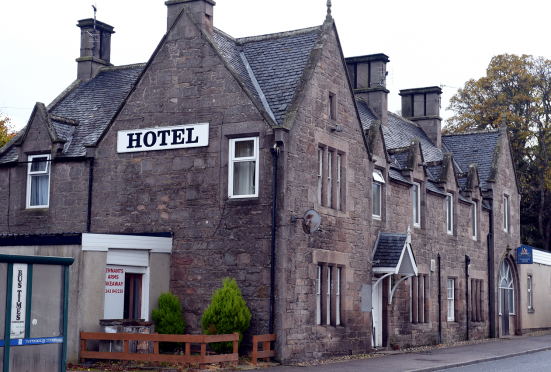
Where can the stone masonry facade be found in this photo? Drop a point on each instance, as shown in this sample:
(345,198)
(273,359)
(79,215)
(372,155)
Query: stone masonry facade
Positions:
(198,74)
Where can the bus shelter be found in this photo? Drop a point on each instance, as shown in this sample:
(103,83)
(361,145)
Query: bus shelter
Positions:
(33,313)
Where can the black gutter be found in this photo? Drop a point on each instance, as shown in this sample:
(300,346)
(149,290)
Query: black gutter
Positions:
(467,263)
(272,273)
(90,179)
(439,303)
(490,270)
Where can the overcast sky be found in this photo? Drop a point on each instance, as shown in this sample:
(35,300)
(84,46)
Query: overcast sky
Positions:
(429,42)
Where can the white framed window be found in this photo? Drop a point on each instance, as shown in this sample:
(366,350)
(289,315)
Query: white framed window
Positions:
(378,182)
(451,300)
(339,171)
(505,214)
(329,178)
(320,173)
(329,288)
(243,168)
(506,286)
(416,205)
(529,291)
(449,213)
(338,297)
(473,219)
(318,299)
(38,181)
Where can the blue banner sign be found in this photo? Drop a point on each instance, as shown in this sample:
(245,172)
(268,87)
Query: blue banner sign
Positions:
(36,341)
(524,255)
(2,343)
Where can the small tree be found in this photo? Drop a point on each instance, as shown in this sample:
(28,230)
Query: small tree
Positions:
(227,313)
(168,318)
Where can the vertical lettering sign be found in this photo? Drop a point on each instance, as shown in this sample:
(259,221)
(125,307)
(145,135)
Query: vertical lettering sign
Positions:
(163,138)
(114,293)
(18,301)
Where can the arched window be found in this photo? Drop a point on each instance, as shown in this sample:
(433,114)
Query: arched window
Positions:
(506,283)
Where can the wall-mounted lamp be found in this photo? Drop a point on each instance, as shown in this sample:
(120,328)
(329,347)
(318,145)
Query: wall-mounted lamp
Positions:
(337,129)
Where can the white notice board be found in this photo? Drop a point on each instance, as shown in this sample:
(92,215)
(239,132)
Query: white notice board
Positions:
(114,292)
(18,301)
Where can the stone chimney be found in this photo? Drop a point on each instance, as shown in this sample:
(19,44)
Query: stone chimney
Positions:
(95,47)
(422,105)
(368,78)
(202,11)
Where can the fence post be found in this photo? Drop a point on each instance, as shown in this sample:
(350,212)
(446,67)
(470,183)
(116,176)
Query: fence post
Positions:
(82,345)
(265,347)
(255,349)
(203,354)
(236,343)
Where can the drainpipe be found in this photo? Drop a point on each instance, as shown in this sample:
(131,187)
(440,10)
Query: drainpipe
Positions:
(490,269)
(467,263)
(274,152)
(90,179)
(439,303)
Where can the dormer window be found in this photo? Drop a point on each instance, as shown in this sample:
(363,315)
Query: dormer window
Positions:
(38,181)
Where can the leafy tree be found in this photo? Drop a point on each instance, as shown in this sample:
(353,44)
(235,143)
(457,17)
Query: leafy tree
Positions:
(516,89)
(168,318)
(6,130)
(226,314)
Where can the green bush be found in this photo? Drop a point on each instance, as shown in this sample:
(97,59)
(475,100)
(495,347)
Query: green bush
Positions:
(226,314)
(168,319)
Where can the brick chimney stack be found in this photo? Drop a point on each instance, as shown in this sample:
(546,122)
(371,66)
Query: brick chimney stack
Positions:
(95,47)
(202,11)
(368,78)
(422,105)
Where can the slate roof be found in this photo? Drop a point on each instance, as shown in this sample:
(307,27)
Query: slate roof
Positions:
(9,156)
(395,174)
(402,158)
(367,116)
(277,62)
(475,147)
(388,249)
(432,187)
(93,104)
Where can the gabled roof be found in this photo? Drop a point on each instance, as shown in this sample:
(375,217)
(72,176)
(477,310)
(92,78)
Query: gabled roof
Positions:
(277,62)
(393,254)
(93,104)
(474,147)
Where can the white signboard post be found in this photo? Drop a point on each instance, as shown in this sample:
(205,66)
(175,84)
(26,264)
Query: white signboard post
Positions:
(163,138)
(19,301)
(114,292)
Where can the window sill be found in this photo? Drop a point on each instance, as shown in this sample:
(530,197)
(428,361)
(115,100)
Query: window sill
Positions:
(531,311)
(331,329)
(244,201)
(35,211)
(452,323)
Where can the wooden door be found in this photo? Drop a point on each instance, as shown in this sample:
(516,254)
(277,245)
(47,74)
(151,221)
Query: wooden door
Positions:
(133,296)
(504,312)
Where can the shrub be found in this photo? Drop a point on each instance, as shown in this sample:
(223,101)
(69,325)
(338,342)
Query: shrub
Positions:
(168,319)
(226,314)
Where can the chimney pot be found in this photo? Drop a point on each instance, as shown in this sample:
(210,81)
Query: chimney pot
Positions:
(422,105)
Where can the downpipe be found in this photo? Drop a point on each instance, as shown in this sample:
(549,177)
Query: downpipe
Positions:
(439,303)
(90,181)
(274,152)
(467,263)
(490,270)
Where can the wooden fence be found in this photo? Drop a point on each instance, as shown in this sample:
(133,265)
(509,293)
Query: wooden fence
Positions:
(266,353)
(156,338)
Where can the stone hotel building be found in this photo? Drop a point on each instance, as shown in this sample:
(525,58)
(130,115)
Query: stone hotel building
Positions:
(200,163)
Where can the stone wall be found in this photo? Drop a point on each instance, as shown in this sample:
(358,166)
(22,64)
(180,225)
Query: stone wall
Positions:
(345,236)
(184,191)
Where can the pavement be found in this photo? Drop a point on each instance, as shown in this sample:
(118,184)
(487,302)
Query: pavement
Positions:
(437,359)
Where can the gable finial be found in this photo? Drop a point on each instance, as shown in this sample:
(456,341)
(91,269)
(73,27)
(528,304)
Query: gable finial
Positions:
(328,18)
(503,123)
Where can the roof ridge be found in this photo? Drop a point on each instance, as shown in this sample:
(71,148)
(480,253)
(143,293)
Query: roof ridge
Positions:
(486,131)
(278,35)
(404,119)
(225,35)
(123,67)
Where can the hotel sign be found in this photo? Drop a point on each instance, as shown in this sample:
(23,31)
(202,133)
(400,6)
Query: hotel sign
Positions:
(163,138)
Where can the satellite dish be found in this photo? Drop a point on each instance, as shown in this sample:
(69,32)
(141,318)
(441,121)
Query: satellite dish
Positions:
(311,221)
